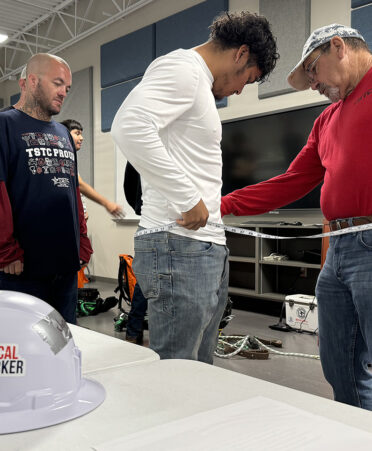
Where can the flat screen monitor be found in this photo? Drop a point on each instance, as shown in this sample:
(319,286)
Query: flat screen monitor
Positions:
(261,147)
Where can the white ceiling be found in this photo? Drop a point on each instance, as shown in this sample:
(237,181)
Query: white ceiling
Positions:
(50,26)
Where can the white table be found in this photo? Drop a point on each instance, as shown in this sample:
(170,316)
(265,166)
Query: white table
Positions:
(100,352)
(147,395)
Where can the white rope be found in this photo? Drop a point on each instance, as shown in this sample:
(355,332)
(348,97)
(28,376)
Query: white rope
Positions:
(231,354)
(242,342)
(294,354)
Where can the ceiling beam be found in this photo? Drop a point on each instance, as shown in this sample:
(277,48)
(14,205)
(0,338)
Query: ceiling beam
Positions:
(74,37)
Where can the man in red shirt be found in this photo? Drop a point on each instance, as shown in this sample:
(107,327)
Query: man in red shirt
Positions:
(336,62)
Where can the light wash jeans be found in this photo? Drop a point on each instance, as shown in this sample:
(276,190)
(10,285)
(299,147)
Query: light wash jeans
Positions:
(344,293)
(185,282)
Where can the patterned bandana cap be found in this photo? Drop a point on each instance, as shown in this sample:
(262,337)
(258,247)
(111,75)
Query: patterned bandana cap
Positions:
(297,77)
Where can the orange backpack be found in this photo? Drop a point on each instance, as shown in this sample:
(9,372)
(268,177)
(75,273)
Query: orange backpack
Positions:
(126,280)
(82,278)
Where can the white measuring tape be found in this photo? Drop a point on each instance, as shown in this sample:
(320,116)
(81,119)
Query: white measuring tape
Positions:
(241,231)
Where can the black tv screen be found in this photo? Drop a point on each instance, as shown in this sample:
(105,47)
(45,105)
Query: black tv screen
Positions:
(258,148)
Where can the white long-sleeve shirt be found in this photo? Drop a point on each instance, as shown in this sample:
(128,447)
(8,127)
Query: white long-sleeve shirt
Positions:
(169,129)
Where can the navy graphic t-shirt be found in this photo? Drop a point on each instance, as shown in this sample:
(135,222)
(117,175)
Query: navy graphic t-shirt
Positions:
(38,166)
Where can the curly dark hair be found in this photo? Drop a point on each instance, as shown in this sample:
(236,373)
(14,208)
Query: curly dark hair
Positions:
(232,30)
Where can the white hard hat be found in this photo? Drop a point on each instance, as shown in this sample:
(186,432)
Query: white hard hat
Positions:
(40,367)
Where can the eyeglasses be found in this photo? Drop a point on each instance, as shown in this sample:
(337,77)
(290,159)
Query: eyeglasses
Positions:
(310,71)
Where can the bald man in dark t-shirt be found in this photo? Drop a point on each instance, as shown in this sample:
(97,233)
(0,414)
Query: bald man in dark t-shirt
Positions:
(42,228)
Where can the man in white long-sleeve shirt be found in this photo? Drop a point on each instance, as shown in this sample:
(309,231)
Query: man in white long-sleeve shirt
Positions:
(169,129)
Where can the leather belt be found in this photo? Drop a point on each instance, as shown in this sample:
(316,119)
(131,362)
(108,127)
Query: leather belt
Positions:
(338,224)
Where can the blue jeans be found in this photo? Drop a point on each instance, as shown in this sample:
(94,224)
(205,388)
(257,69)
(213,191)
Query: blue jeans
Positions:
(185,282)
(344,293)
(137,313)
(58,290)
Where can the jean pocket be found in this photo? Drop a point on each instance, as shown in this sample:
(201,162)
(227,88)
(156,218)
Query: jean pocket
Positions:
(166,294)
(365,239)
(145,270)
(191,247)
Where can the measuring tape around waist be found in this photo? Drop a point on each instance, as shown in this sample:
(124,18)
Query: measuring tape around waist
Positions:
(241,231)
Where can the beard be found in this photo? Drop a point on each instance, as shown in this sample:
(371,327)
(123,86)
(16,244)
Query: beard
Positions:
(333,94)
(217,96)
(43,102)
(217,93)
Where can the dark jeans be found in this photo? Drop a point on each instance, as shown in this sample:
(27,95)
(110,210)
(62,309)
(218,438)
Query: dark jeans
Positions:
(137,313)
(58,290)
(345,316)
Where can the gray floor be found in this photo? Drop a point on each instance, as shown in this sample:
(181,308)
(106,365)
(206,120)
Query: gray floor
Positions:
(300,373)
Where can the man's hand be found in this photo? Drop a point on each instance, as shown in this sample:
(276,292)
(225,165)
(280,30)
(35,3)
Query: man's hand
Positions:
(15,267)
(195,218)
(114,209)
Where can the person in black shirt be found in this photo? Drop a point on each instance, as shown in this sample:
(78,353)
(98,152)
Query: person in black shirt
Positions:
(43,238)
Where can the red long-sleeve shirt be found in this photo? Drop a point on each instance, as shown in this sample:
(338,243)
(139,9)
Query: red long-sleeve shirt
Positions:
(10,249)
(338,151)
